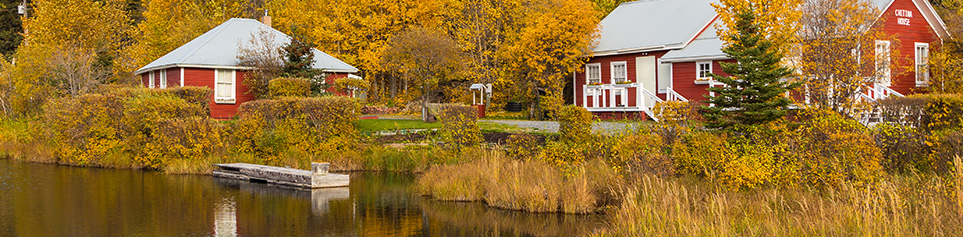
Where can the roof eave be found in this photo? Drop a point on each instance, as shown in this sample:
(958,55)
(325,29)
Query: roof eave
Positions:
(173,65)
(637,50)
(695,58)
(340,70)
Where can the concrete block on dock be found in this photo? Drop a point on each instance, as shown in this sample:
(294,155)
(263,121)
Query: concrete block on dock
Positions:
(317,177)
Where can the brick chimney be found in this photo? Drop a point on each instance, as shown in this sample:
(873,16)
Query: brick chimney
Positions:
(266,19)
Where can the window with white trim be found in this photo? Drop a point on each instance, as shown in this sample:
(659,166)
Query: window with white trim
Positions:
(150,79)
(619,72)
(703,69)
(224,86)
(163,79)
(882,62)
(593,73)
(922,63)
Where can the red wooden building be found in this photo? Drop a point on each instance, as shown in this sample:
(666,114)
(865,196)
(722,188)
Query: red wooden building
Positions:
(650,51)
(210,60)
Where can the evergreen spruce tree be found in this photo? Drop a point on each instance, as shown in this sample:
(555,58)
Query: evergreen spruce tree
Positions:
(753,93)
(298,60)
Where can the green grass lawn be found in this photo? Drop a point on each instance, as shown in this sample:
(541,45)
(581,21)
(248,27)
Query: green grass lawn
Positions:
(370,125)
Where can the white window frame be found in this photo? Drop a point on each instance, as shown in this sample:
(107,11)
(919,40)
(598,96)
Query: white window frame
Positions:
(921,63)
(163,79)
(225,100)
(150,80)
(613,74)
(883,59)
(699,72)
(588,72)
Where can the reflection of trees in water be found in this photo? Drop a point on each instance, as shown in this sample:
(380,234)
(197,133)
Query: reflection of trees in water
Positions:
(386,204)
(51,200)
(458,218)
(225,218)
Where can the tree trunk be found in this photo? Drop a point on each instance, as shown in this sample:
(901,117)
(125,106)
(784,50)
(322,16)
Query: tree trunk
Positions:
(424,102)
(532,104)
(393,84)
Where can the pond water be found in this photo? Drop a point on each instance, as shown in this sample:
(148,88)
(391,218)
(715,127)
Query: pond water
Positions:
(52,200)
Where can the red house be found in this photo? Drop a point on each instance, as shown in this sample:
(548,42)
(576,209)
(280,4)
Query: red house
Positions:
(210,60)
(655,50)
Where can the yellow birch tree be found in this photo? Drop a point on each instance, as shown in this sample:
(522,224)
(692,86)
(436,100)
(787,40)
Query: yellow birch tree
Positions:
(777,19)
(357,31)
(544,48)
(168,24)
(841,51)
(946,61)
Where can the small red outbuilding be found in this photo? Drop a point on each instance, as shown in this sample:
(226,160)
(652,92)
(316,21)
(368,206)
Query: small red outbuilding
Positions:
(210,60)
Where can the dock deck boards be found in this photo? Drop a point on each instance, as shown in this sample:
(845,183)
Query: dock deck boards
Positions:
(280,175)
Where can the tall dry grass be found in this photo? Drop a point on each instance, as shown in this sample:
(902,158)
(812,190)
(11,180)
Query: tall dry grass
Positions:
(958,180)
(532,185)
(900,206)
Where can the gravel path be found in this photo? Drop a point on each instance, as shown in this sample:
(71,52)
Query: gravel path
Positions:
(551,126)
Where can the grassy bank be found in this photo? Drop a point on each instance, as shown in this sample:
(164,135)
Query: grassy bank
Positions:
(915,205)
(643,204)
(528,185)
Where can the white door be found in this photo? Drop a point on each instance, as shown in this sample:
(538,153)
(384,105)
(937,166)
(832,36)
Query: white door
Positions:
(645,73)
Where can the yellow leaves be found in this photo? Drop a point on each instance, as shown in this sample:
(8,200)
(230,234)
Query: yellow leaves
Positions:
(550,41)
(168,24)
(460,125)
(575,124)
(354,31)
(776,18)
(81,23)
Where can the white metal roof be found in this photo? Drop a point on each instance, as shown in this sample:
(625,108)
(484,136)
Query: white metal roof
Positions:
(649,25)
(700,49)
(218,48)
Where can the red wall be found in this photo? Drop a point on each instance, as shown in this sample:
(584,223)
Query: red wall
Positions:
(205,77)
(330,81)
(684,76)
(606,74)
(173,77)
(918,31)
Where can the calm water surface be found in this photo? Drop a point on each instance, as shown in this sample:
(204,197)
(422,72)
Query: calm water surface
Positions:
(52,200)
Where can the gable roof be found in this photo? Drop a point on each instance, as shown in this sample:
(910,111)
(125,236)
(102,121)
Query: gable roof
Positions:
(924,6)
(649,25)
(218,48)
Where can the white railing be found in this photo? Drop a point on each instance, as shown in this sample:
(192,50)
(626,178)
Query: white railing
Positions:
(649,100)
(671,95)
(887,92)
(604,96)
(878,92)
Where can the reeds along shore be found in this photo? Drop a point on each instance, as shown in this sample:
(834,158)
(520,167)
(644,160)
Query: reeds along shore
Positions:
(912,204)
(897,206)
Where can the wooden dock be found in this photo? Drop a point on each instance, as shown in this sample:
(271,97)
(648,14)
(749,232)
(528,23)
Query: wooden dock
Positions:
(317,177)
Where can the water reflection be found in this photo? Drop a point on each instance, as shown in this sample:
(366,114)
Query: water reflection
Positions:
(45,200)
(225,221)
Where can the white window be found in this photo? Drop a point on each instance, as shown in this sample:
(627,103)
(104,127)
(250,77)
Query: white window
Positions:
(922,66)
(703,69)
(619,72)
(593,73)
(150,80)
(163,79)
(882,62)
(224,86)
